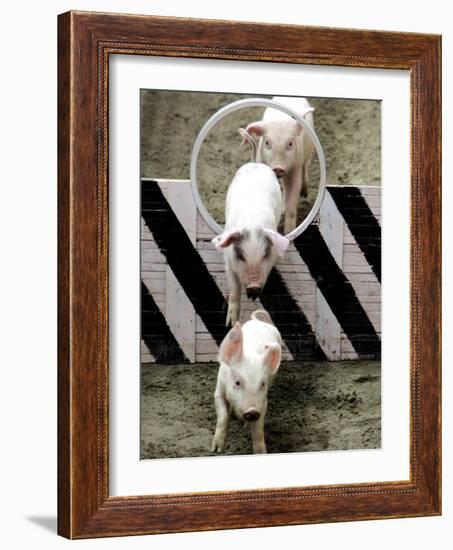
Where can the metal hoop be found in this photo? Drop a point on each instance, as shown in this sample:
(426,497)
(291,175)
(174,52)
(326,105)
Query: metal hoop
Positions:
(235,106)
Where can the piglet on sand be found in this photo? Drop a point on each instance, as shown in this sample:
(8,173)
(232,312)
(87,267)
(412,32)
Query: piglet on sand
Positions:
(249,359)
(282,143)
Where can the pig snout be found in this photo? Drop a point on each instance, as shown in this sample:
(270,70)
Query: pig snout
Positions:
(253,291)
(278,171)
(251,415)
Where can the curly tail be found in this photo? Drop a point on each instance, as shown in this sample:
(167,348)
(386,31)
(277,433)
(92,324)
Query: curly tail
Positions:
(261,315)
(248,138)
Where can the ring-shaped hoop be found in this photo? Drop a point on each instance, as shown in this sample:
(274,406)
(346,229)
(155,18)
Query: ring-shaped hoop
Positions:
(242,104)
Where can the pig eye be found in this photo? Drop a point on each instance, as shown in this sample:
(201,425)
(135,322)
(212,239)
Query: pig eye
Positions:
(290,144)
(239,255)
(262,385)
(267,143)
(237,383)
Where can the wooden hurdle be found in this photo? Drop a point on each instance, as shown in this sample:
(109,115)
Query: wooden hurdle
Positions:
(328,282)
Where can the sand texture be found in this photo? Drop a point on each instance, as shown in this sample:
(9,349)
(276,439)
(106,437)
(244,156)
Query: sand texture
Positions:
(312,407)
(349,132)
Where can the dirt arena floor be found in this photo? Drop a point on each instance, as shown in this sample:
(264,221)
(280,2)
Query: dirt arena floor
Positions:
(349,132)
(312,407)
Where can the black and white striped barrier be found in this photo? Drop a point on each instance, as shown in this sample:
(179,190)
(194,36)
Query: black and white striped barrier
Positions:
(324,296)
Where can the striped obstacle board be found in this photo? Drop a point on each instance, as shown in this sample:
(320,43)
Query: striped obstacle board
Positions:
(324,296)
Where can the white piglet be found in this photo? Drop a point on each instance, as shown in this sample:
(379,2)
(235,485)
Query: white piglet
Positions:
(281,142)
(250,240)
(249,359)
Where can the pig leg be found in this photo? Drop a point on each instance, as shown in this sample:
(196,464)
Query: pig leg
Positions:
(305,178)
(234,298)
(221,407)
(257,430)
(293,184)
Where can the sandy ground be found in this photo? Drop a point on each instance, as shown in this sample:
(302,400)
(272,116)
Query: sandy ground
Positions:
(349,131)
(312,407)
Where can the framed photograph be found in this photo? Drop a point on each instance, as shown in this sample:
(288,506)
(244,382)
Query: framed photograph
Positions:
(249,275)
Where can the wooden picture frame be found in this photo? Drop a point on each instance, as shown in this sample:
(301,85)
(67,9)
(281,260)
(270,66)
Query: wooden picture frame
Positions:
(85,41)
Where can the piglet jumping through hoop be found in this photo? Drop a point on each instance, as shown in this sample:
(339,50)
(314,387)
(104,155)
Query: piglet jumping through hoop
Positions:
(250,240)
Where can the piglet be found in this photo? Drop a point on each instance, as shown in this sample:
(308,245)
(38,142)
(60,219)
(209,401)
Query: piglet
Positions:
(285,146)
(250,240)
(249,359)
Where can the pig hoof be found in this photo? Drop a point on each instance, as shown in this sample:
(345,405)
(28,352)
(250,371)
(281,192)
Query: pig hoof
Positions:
(218,444)
(232,315)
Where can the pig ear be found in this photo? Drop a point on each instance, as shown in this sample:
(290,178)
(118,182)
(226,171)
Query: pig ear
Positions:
(256,128)
(272,357)
(279,241)
(231,347)
(226,238)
